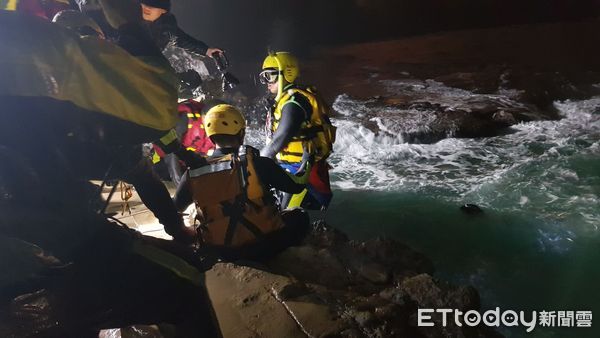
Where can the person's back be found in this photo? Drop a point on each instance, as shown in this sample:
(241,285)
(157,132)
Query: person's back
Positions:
(237,213)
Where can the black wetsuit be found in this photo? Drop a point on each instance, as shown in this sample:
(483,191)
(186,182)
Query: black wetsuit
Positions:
(292,117)
(165,31)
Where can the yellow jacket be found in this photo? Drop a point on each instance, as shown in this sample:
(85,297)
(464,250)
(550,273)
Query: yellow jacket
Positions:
(39,58)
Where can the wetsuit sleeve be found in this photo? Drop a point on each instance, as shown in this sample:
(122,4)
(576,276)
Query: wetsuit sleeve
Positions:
(274,176)
(167,31)
(189,44)
(293,114)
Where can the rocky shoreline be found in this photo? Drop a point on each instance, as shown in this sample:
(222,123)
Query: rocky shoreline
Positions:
(496,77)
(331,286)
(334,287)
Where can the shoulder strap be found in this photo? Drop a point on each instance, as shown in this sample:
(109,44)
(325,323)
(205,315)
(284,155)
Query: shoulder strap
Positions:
(291,93)
(243,161)
(217,165)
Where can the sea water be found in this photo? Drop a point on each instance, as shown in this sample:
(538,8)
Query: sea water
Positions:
(536,246)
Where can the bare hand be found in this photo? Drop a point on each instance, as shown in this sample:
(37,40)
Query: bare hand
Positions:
(210,51)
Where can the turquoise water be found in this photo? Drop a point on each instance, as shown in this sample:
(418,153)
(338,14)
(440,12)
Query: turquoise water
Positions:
(536,246)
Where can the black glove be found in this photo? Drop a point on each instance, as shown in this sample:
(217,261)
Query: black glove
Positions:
(190,78)
(190,158)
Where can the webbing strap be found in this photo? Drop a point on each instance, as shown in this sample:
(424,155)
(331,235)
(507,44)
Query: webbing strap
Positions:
(235,213)
(212,168)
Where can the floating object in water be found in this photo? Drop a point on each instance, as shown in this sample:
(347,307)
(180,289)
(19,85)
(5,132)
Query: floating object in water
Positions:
(471,209)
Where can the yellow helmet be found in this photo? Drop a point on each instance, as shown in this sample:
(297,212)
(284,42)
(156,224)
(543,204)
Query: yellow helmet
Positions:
(285,62)
(224,119)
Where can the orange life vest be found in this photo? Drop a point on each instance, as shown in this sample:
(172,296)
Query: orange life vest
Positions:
(234,207)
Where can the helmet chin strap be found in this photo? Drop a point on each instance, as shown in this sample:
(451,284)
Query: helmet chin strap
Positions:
(280,81)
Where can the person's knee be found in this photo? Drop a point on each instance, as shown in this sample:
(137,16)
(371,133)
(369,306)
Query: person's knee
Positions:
(297,224)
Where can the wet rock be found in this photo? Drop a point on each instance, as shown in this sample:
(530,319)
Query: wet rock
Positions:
(328,287)
(363,318)
(504,117)
(323,236)
(428,293)
(292,291)
(471,209)
(228,285)
(399,259)
(303,262)
(32,313)
(363,266)
(395,295)
(27,265)
(343,290)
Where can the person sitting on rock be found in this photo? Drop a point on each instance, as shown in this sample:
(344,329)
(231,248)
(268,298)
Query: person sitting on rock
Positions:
(238,215)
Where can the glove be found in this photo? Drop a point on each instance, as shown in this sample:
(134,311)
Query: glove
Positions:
(190,79)
(190,158)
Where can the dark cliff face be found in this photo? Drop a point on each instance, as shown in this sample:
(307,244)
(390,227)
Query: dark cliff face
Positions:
(248,27)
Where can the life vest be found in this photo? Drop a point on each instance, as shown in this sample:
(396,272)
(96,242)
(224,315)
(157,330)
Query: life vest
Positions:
(195,138)
(317,134)
(233,206)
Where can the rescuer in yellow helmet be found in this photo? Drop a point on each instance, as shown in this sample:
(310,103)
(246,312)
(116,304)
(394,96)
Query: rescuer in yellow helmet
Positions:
(237,213)
(298,123)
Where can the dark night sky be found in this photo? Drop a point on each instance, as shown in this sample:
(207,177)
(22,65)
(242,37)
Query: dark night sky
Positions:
(247,27)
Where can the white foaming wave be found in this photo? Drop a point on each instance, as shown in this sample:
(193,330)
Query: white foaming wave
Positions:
(378,161)
(346,106)
(462,165)
(530,168)
(450,97)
